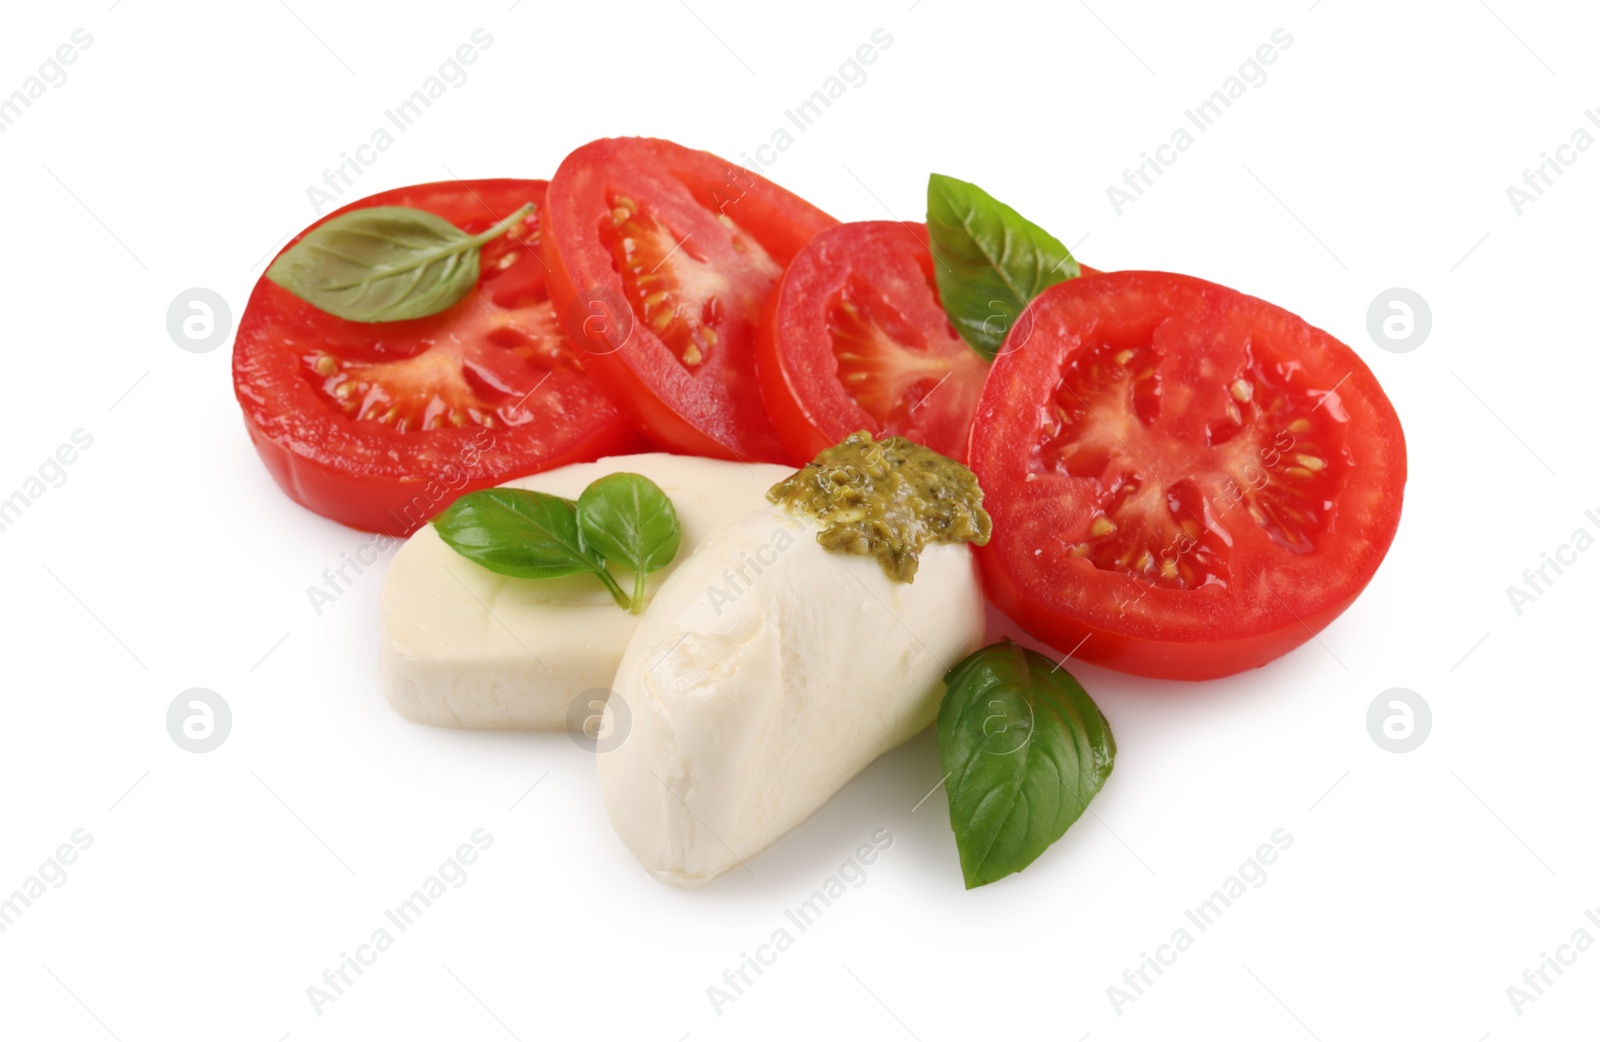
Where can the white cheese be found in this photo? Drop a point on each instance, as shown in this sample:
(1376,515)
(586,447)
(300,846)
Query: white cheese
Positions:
(465,647)
(766,674)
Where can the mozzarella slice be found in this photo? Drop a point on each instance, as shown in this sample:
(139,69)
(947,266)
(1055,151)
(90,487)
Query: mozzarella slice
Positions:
(465,647)
(766,674)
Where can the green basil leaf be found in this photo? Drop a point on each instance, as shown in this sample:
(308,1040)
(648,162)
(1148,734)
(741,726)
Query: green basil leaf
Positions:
(1024,750)
(989,261)
(385,263)
(512,531)
(627,518)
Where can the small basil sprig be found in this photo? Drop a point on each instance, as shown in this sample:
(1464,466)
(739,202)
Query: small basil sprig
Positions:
(1024,750)
(385,263)
(533,535)
(989,261)
(627,518)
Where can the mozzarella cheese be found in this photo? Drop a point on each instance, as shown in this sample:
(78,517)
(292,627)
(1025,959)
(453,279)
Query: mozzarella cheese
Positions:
(766,674)
(465,647)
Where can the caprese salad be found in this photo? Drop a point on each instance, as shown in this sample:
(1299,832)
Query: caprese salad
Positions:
(723,484)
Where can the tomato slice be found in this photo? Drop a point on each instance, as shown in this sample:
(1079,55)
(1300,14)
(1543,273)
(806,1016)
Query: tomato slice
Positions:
(854,338)
(1185,481)
(661,258)
(381,425)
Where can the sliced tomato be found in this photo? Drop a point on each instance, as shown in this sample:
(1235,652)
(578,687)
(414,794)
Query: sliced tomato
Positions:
(854,338)
(1185,481)
(381,425)
(661,258)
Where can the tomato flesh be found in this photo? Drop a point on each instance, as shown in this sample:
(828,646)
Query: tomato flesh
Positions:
(380,425)
(854,338)
(1184,480)
(686,247)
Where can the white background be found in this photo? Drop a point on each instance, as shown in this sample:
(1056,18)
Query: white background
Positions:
(219,886)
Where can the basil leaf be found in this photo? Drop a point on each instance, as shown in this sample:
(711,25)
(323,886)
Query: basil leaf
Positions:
(385,263)
(512,531)
(1025,750)
(989,261)
(627,518)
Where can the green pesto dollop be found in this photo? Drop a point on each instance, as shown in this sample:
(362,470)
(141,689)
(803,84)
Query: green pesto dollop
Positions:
(886,499)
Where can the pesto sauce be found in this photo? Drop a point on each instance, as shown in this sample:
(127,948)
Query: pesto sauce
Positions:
(886,499)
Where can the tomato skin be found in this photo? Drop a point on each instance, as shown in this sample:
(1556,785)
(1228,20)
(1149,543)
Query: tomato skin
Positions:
(373,477)
(714,410)
(1273,599)
(854,338)
(398,508)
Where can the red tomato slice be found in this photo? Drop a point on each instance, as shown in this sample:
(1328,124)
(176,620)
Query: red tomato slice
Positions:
(854,338)
(381,425)
(661,258)
(1186,481)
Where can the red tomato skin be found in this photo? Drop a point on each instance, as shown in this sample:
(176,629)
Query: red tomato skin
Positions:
(723,423)
(323,467)
(399,508)
(802,441)
(1113,620)
(1146,657)
(801,377)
